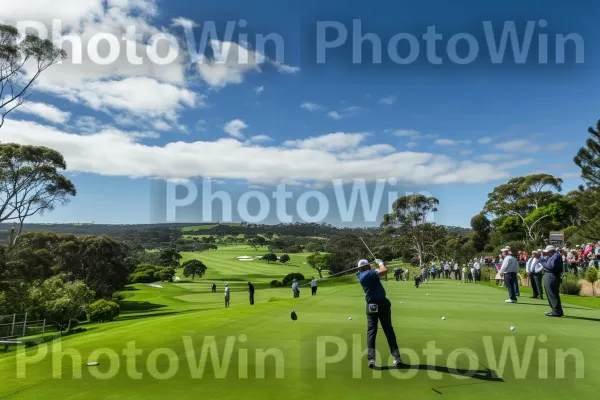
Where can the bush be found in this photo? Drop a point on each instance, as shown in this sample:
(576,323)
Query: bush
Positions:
(287,280)
(275,283)
(284,259)
(166,274)
(592,277)
(572,287)
(120,296)
(103,311)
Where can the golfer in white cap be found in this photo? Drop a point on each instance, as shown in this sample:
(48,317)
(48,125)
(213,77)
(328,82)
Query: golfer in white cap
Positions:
(226,296)
(553,269)
(379,309)
(509,269)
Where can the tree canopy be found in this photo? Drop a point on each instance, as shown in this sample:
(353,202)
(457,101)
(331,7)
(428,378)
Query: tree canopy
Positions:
(17,56)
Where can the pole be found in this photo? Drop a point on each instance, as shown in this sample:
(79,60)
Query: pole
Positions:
(25,325)
(12,333)
(43,328)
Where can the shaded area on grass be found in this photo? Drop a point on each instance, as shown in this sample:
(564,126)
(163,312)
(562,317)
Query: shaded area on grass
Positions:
(480,374)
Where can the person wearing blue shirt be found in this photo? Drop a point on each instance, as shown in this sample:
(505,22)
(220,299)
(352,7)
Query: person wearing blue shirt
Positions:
(379,309)
(552,263)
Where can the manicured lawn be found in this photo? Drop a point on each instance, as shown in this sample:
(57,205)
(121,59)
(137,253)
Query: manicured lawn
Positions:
(182,318)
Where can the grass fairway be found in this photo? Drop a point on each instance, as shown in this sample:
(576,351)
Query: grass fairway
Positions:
(178,322)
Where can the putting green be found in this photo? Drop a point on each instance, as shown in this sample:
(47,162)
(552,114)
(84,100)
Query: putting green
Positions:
(300,361)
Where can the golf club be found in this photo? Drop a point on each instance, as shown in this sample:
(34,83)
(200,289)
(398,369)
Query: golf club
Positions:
(373,255)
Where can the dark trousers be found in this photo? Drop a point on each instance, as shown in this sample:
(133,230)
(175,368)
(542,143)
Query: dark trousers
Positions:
(510,280)
(314,290)
(552,285)
(384,316)
(251,298)
(296,293)
(536,285)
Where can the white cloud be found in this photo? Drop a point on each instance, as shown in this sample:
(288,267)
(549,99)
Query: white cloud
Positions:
(485,140)
(259,89)
(367,152)
(87,124)
(406,133)
(556,146)
(260,139)
(139,96)
(201,126)
(116,153)
(311,106)
(284,68)
(411,145)
(388,100)
(184,22)
(334,115)
(451,142)
(466,152)
(571,175)
(235,128)
(330,142)
(517,163)
(519,146)
(44,111)
(131,81)
(231,62)
(161,125)
(496,157)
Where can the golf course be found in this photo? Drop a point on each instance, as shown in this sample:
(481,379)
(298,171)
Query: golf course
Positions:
(178,341)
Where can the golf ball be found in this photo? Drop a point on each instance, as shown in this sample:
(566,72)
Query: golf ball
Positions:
(512,328)
(443,318)
(401,302)
(350,318)
(427,294)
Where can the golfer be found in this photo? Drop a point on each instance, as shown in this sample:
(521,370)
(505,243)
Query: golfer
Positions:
(214,288)
(226,296)
(553,269)
(534,270)
(295,288)
(379,309)
(251,293)
(313,286)
(509,269)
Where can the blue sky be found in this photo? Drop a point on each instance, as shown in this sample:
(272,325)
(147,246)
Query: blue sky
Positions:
(455,131)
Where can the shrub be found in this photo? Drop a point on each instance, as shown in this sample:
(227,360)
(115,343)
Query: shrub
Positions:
(120,296)
(103,311)
(166,274)
(571,287)
(275,283)
(284,259)
(592,277)
(287,280)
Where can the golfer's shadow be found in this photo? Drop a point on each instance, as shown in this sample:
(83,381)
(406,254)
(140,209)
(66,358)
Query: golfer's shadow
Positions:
(480,374)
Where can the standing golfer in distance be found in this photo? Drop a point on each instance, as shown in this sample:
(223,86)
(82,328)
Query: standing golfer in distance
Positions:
(553,270)
(313,286)
(509,270)
(226,296)
(379,309)
(251,293)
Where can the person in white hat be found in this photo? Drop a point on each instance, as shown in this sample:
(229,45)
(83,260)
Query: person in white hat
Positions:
(226,296)
(379,309)
(534,270)
(509,270)
(553,268)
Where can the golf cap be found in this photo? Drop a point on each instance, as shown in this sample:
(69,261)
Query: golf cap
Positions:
(363,263)
(505,249)
(549,248)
